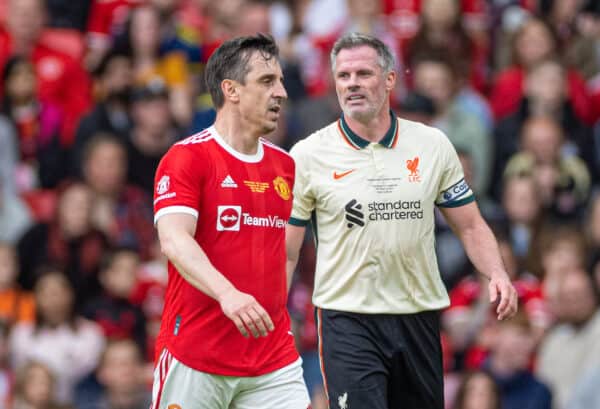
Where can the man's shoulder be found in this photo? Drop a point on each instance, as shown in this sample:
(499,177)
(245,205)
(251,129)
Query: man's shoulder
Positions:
(275,150)
(419,130)
(322,137)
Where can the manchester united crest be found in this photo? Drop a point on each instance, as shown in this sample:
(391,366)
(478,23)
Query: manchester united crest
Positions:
(282,188)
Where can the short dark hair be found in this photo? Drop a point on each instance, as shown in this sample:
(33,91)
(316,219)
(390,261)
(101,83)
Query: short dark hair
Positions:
(230,61)
(353,40)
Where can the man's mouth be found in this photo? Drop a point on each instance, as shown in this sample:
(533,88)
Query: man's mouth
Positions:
(355,97)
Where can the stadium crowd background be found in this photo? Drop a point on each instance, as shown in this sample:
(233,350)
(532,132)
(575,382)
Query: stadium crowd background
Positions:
(93,93)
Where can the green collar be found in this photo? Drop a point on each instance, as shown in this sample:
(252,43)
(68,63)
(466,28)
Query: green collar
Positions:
(389,139)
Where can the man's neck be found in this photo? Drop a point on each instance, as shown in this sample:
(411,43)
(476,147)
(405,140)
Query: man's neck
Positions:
(373,129)
(237,133)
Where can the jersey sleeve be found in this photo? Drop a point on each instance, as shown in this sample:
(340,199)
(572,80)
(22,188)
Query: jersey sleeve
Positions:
(177,183)
(304,199)
(453,191)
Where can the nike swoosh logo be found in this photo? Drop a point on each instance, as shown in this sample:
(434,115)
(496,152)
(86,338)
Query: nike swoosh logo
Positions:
(340,175)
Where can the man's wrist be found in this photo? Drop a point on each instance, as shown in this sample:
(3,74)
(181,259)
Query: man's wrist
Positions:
(223,291)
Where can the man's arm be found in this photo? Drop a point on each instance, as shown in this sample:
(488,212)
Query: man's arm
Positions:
(482,248)
(294,235)
(176,235)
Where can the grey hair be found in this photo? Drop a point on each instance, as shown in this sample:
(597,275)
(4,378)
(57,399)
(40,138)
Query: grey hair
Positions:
(353,40)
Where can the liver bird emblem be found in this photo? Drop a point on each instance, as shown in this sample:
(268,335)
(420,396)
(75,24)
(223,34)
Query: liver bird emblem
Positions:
(413,165)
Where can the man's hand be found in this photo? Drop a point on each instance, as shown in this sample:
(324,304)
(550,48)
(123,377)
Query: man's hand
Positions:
(246,313)
(500,285)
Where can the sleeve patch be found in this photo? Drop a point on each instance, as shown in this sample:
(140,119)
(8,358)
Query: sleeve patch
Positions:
(455,193)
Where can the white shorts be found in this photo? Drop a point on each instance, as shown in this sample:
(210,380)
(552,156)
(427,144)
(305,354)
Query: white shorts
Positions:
(177,386)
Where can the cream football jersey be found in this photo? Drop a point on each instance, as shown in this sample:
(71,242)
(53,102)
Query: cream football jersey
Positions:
(372,210)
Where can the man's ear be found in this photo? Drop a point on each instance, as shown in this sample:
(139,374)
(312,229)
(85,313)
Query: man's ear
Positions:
(230,90)
(390,81)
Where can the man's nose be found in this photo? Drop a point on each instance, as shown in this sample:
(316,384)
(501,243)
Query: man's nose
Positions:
(280,91)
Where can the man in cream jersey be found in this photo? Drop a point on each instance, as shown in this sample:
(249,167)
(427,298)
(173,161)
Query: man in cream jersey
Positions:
(369,183)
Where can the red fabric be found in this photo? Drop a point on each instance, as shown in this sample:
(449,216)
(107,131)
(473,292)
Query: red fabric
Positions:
(243,208)
(508,91)
(528,289)
(108,17)
(61,81)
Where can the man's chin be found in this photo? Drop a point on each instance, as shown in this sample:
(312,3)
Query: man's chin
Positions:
(359,114)
(268,128)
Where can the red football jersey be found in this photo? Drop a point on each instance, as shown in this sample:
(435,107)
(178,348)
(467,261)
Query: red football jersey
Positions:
(242,203)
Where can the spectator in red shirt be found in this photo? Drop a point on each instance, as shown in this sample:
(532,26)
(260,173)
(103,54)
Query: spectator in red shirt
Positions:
(107,20)
(532,43)
(61,79)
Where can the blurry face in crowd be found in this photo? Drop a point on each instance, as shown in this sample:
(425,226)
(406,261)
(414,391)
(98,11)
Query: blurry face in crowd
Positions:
(121,367)
(21,84)
(435,80)
(440,13)
(513,346)
(546,85)
(106,168)
(38,386)
(119,279)
(152,114)
(256,19)
(542,137)
(226,12)
(534,42)
(520,200)
(362,87)
(479,393)
(26,20)
(563,255)
(576,297)
(145,30)
(118,76)
(166,6)
(54,298)
(566,10)
(262,95)
(364,9)
(74,210)
(8,266)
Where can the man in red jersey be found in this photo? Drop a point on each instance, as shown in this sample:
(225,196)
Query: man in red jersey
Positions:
(222,198)
(61,79)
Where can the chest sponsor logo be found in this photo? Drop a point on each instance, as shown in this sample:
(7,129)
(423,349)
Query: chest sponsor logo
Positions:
(354,214)
(282,188)
(228,182)
(357,215)
(230,218)
(256,187)
(413,167)
(339,175)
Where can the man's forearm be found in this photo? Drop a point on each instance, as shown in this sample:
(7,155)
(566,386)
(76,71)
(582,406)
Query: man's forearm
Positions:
(194,266)
(482,249)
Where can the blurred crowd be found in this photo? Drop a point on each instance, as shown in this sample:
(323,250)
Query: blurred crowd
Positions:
(93,93)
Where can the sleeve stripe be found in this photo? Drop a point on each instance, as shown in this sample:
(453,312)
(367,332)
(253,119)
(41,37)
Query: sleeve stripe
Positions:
(458,203)
(298,222)
(175,209)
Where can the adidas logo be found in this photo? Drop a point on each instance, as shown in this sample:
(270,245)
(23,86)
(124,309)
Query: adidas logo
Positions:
(228,182)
